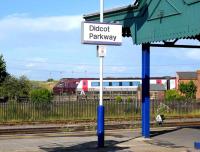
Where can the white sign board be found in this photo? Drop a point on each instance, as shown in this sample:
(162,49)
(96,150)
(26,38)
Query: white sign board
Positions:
(101,33)
(101,51)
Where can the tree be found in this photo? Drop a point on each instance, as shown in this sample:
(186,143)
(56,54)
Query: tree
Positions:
(9,87)
(173,95)
(188,89)
(3,73)
(50,80)
(24,86)
(15,88)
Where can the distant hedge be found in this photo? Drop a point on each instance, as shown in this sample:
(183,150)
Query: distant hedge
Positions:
(41,96)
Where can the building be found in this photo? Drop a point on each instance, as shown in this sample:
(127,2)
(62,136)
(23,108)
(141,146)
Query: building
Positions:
(185,77)
(157,92)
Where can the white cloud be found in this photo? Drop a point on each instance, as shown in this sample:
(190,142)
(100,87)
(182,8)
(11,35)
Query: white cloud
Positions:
(35,62)
(119,69)
(29,65)
(23,22)
(39,59)
(193,54)
(81,67)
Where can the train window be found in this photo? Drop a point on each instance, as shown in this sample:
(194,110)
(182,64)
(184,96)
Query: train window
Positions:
(125,83)
(136,83)
(61,85)
(95,84)
(105,84)
(115,83)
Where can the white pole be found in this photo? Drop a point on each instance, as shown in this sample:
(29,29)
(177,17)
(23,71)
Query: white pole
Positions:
(101,10)
(101,82)
(101,58)
(100,113)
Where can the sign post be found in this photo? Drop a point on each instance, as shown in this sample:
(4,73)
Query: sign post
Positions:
(100,109)
(101,34)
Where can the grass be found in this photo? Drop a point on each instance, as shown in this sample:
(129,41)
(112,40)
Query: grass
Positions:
(45,84)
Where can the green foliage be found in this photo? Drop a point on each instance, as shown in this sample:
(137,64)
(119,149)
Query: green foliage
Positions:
(50,80)
(162,109)
(15,88)
(188,89)
(41,96)
(24,86)
(3,73)
(9,88)
(173,95)
(118,99)
(129,99)
(43,84)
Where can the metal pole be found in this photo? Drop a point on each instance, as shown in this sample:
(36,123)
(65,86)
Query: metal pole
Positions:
(145,90)
(101,57)
(101,81)
(101,10)
(100,109)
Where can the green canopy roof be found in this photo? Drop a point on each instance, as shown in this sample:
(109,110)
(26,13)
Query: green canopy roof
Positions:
(156,20)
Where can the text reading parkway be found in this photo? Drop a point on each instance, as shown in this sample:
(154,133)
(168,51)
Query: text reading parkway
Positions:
(101,36)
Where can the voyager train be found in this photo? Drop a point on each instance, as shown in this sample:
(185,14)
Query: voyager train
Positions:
(76,85)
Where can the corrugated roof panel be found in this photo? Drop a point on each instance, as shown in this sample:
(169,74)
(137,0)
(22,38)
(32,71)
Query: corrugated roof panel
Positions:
(187,75)
(155,21)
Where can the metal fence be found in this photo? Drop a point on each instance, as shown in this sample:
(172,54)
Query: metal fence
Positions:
(86,110)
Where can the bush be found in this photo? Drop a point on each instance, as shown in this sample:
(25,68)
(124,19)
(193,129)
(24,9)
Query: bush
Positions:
(41,96)
(162,109)
(173,95)
(118,99)
(188,89)
(129,99)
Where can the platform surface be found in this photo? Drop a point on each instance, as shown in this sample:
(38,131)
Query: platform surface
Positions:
(162,140)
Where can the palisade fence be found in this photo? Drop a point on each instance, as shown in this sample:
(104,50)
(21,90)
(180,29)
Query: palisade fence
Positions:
(86,110)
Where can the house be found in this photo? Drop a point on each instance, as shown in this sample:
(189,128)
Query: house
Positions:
(157,92)
(185,77)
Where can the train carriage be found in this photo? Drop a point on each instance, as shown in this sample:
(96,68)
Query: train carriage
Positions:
(76,85)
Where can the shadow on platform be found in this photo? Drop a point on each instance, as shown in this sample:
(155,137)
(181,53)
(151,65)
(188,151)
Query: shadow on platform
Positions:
(174,138)
(161,132)
(110,145)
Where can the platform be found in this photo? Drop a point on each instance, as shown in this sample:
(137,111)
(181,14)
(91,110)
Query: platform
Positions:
(162,139)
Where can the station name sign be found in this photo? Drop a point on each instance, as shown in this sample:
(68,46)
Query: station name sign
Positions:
(101,33)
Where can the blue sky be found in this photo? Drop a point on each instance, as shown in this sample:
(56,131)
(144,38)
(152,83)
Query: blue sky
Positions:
(41,39)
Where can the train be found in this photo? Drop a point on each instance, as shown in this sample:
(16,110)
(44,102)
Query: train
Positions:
(78,85)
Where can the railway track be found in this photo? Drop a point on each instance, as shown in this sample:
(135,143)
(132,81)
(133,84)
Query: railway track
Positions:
(34,129)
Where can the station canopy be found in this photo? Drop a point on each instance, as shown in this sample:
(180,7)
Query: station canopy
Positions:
(148,21)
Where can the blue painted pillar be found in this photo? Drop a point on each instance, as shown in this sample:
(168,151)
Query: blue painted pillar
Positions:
(100,125)
(145,90)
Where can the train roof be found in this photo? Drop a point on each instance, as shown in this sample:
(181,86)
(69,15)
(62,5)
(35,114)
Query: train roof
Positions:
(117,78)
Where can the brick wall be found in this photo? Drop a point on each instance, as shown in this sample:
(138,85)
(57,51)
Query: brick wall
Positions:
(198,85)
